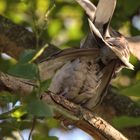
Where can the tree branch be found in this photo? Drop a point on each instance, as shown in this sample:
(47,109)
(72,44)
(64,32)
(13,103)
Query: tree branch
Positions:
(14,39)
(94,123)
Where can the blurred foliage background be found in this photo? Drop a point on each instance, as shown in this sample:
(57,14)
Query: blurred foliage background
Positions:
(63,23)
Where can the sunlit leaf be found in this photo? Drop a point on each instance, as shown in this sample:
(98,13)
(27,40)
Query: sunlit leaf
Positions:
(38,53)
(30,56)
(54,27)
(38,108)
(27,71)
(16,113)
(40,137)
(125,121)
(27,56)
(19,112)
(133,90)
(52,123)
(2,6)
(138,76)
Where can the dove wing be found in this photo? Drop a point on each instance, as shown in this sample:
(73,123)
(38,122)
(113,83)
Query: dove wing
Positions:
(103,84)
(51,65)
(88,6)
(103,15)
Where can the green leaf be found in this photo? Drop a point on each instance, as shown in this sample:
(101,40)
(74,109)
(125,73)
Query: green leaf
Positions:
(38,53)
(40,137)
(27,56)
(5,64)
(6,128)
(19,112)
(52,123)
(52,138)
(6,97)
(132,90)
(30,56)
(45,85)
(27,71)
(125,121)
(16,113)
(39,108)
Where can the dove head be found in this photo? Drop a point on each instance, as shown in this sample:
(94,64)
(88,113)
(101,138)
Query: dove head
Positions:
(113,46)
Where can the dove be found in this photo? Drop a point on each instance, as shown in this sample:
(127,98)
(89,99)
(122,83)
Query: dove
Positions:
(83,75)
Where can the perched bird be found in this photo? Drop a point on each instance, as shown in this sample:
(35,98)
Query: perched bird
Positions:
(83,75)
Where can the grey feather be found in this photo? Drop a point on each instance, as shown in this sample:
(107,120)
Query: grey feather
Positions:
(106,76)
(100,18)
(83,81)
(48,67)
(88,7)
(134,46)
(103,15)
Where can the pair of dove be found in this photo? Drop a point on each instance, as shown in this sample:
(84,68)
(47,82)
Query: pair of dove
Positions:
(83,75)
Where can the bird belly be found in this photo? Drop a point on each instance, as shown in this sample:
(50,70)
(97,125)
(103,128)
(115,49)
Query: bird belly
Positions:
(77,81)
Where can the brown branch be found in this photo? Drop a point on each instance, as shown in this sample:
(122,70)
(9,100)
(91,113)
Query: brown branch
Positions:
(14,39)
(87,117)
(93,122)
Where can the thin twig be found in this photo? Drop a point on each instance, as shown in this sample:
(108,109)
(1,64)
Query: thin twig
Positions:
(33,126)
